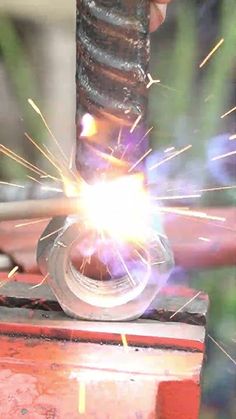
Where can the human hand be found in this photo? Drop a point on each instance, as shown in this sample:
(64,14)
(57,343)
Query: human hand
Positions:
(158,13)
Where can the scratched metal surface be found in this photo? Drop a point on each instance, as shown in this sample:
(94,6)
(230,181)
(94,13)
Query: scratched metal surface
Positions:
(169,306)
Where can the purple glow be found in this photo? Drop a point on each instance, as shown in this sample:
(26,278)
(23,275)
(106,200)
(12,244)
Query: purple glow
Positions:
(222,170)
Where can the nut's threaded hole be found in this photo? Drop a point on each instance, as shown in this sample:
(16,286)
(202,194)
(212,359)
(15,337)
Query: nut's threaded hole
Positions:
(107,281)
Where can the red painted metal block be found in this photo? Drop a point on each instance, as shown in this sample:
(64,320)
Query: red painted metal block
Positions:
(40,379)
(52,366)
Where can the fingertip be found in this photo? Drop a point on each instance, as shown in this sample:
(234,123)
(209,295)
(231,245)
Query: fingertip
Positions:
(157,16)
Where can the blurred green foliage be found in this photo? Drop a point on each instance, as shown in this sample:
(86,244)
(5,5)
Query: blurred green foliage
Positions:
(23,80)
(189,86)
(185,108)
(216,82)
(185,111)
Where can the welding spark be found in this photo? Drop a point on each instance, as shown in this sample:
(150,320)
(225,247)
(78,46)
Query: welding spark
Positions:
(177,153)
(222,349)
(72,153)
(169,149)
(12,272)
(204,239)
(140,160)
(11,184)
(43,152)
(163,198)
(82,398)
(124,340)
(228,112)
(9,276)
(50,188)
(222,156)
(211,52)
(37,110)
(111,150)
(124,152)
(136,122)
(145,262)
(60,166)
(83,265)
(186,304)
(119,136)
(209,97)
(51,234)
(42,220)
(193,214)
(132,281)
(159,262)
(151,81)
(172,89)
(232,137)
(40,283)
(145,135)
(34,106)
(62,244)
(217,188)
(34,180)
(21,160)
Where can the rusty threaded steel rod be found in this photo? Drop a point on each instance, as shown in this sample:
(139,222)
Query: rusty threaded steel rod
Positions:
(38,208)
(113,48)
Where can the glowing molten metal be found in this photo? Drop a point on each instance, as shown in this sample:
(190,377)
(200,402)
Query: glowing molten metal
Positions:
(119,207)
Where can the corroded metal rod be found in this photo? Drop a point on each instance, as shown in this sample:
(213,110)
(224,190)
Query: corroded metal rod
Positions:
(112,64)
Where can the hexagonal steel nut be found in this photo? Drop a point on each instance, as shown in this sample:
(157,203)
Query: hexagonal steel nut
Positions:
(87,298)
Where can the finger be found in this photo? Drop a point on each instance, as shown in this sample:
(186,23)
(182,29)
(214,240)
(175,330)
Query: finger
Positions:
(157,15)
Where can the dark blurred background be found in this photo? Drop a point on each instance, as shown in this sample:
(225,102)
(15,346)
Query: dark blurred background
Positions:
(37,60)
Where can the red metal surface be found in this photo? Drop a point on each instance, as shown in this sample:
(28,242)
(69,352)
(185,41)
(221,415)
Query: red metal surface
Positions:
(45,330)
(156,377)
(32,279)
(183,232)
(191,252)
(40,379)
(178,400)
(46,358)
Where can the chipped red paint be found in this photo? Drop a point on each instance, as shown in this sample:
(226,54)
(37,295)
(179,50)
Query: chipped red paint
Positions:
(183,232)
